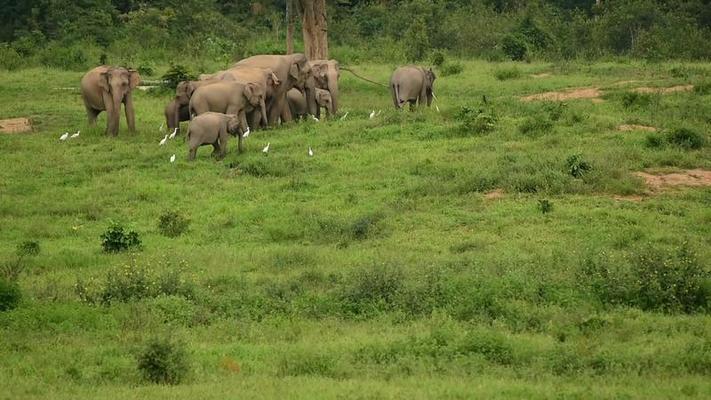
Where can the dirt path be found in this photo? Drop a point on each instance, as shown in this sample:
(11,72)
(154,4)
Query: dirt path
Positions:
(631,128)
(689,177)
(570,94)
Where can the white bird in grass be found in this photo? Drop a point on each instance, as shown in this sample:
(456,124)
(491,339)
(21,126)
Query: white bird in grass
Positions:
(246,133)
(433,96)
(311,152)
(162,142)
(172,158)
(379,111)
(344,116)
(160,129)
(172,135)
(437,107)
(265,150)
(76,135)
(64,137)
(314,118)
(372,114)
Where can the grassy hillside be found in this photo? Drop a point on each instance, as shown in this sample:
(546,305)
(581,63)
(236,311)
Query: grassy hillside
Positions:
(428,254)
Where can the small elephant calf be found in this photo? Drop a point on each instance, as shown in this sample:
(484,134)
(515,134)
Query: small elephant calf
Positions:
(213,128)
(299,108)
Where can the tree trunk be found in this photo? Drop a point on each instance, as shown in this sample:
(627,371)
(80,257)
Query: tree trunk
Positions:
(315,30)
(290,20)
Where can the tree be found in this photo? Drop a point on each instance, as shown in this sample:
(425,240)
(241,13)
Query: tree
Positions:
(314,28)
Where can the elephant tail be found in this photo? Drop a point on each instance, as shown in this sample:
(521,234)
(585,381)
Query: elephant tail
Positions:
(396,89)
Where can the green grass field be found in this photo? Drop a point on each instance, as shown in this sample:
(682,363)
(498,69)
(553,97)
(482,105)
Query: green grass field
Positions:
(379,268)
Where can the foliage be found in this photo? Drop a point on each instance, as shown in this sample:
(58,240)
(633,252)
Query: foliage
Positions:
(477,121)
(172,224)
(635,99)
(176,73)
(503,74)
(12,270)
(164,361)
(577,165)
(438,58)
(451,68)
(545,206)
(536,125)
(515,47)
(10,294)
(686,139)
(115,240)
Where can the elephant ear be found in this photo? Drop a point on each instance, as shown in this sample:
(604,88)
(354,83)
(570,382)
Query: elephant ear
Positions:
(134,78)
(294,71)
(249,90)
(104,82)
(190,89)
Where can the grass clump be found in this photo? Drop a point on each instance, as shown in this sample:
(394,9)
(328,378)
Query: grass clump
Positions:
(654,141)
(534,126)
(172,224)
(577,166)
(636,100)
(545,206)
(10,294)
(163,361)
(507,73)
(451,68)
(477,121)
(116,239)
(11,270)
(372,290)
(686,139)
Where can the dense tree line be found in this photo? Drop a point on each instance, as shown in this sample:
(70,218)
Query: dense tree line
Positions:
(76,33)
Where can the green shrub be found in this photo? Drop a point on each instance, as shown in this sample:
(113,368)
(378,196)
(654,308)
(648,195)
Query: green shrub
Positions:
(703,88)
(309,364)
(507,73)
(545,206)
(577,166)
(163,361)
(10,294)
(172,224)
(146,69)
(437,58)
(176,73)
(115,240)
(65,57)
(10,59)
(654,141)
(451,68)
(555,110)
(686,139)
(372,290)
(493,346)
(477,121)
(515,47)
(636,100)
(12,270)
(534,126)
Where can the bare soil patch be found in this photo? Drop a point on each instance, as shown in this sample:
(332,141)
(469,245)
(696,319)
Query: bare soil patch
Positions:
(672,89)
(494,194)
(15,125)
(689,177)
(632,127)
(570,94)
(632,198)
(541,75)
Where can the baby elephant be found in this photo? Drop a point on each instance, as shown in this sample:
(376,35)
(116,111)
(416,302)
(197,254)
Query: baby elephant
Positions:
(299,108)
(213,128)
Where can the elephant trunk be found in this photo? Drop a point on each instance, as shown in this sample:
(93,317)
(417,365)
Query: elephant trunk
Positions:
(310,92)
(263,106)
(115,117)
(333,89)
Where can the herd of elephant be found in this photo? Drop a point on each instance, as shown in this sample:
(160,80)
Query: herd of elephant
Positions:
(256,92)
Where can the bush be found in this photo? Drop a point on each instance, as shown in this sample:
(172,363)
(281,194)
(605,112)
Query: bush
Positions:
(702,88)
(654,141)
(686,139)
(515,47)
(172,224)
(451,68)
(635,99)
(65,57)
(10,59)
(437,58)
(503,74)
(10,294)
(534,126)
(163,361)
(476,121)
(372,290)
(545,206)
(577,166)
(115,240)
(11,270)
(176,73)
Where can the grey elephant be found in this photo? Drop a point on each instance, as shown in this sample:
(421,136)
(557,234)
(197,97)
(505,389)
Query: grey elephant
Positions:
(213,128)
(326,74)
(105,88)
(292,71)
(229,98)
(264,77)
(298,106)
(177,110)
(412,84)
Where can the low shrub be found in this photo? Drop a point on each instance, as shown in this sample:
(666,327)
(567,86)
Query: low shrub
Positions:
(372,290)
(10,294)
(163,361)
(515,47)
(11,270)
(437,57)
(476,121)
(636,100)
(65,57)
(308,364)
(507,73)
(555,110)
(172,224)
(545,206)
(10,59)
(703,88)
(686,139)
(654,141)
(577,166)
(451,68)
(176,74)
(116,240)
(534,126)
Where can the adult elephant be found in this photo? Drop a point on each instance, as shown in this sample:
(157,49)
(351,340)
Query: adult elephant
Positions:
(177,110)
(228,98)
(293,71)
(263,77)
(105,88)
(412,84)
(326,74)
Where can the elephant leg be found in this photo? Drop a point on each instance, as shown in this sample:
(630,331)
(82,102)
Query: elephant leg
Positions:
(192,152)
(111,126)
(91,115)
(130,114)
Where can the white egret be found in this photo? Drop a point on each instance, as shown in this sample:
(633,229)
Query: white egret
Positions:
(311,152)
(64,137)
(436,107)
(172,158)
(162,142)
(372,114)
(344,116)
(160,129)
(246,133)
(76,135)
(314,118)
(172,135)
(265,150)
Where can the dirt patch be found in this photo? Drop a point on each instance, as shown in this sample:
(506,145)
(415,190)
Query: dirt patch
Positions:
(689,177)
(15,125)
(494,194)
(631,128)
(570,94)
(673,89)
(541,75)
(632,198)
